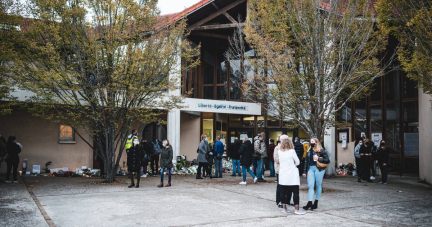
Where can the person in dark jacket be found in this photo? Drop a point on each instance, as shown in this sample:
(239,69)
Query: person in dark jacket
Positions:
(146,158)
(154,158)
(203,149)
(298,147)
(365,154)
(271,158)
(218,151)
(208,170)
(382,161)
(246,150)
(166,162)
(235,157)
(314,174)
(372,160)
(12,160)
(134,161)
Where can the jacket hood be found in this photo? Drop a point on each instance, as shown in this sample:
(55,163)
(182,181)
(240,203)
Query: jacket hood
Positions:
(256,138)
(248,142)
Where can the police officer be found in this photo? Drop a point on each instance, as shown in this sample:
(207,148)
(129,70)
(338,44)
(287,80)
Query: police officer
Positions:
(130,138)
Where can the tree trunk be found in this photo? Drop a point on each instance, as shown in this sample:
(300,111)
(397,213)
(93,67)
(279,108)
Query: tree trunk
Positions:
(110,171)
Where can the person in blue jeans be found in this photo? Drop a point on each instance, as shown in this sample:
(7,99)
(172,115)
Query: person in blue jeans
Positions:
(246,151)
(235,157)
(219,151)
(261,149)
(314,174)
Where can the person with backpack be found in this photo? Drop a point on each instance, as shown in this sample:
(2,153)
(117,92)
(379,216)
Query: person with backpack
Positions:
(219,151)
(246,150)
(203,152)
(134,161)
(156,149)
(12,160)
(235,157)
(260,154)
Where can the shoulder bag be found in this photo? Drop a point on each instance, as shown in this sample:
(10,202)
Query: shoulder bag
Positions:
(320,164)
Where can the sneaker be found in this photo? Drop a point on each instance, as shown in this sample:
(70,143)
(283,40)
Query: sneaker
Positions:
(384,183)
(285,211)
(255,180)
(8,181)
(291,203)
(300,212)
(243,182)
(275,181)
(372,178)
(280,206)
(261,180)
(144,175)
(263,176)
(16,182)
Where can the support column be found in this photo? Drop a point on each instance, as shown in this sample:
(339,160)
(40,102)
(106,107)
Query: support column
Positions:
(173,133)
(330,147)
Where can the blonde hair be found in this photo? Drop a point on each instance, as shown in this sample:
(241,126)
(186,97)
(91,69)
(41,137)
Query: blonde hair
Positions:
(166,142)
(318,146)
(203,136)
(286,144)
(245,139)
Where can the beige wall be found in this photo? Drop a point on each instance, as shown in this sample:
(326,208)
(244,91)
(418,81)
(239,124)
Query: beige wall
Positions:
(189,135)
(425,138)
(40,141)
(345,155)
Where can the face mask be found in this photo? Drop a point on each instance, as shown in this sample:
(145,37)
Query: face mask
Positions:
(312,144)
(136,142)
(361,144)
(206,140)
(382,145)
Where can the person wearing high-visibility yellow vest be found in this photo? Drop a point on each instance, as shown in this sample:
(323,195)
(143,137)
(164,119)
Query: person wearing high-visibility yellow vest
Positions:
(130,138)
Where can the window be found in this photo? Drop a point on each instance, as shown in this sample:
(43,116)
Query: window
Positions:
(66,133)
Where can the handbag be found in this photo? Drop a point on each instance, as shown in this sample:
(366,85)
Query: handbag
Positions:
(219,155)
(320,164)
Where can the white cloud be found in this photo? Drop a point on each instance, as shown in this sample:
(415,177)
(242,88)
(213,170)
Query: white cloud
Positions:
(175,6)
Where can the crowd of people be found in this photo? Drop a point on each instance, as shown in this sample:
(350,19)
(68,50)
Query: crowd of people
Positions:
(367,154)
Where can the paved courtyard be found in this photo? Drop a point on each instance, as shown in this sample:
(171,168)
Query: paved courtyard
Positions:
(46,201)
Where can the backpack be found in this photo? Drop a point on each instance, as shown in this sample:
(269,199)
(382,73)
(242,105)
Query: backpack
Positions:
(156,148)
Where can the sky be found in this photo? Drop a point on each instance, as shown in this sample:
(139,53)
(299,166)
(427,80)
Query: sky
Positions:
(175,6)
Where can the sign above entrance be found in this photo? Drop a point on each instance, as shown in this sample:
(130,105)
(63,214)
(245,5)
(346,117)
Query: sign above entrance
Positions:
(218,106)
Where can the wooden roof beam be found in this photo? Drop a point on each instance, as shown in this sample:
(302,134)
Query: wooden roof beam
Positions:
(229,17)
(207,34)
(218,26)
(216,14)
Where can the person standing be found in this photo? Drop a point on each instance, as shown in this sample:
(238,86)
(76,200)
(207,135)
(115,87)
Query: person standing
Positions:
(298,147)
(365,154)
(358,159)
(278,139)
(235,157)
(289,177)
(135,157)
(3,150)
(210,158)
(261,149)
(372,160)
(271,158)
(246,150)
(130,139)
(219,151)
(145,149)
(382,161)
(156,149)
(314,173)
(12,160)
(166,162)
(203,149)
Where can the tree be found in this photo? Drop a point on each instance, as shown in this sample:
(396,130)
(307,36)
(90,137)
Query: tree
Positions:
(98,65)
(411,22)
(9,30)
(311,57)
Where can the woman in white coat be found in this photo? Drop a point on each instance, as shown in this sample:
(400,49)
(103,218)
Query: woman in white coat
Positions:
(289,178)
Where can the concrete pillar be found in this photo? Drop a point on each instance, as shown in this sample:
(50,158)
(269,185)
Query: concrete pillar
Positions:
(425,131)
(173,133)
(330,145)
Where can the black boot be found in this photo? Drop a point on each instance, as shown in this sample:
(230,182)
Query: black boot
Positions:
(308,205)
(315,205)
(131,185)
(137,185)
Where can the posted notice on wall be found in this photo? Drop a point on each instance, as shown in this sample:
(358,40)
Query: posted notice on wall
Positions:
(36,169)
(344,143)
(232,139)
(376,138)
(242,136)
